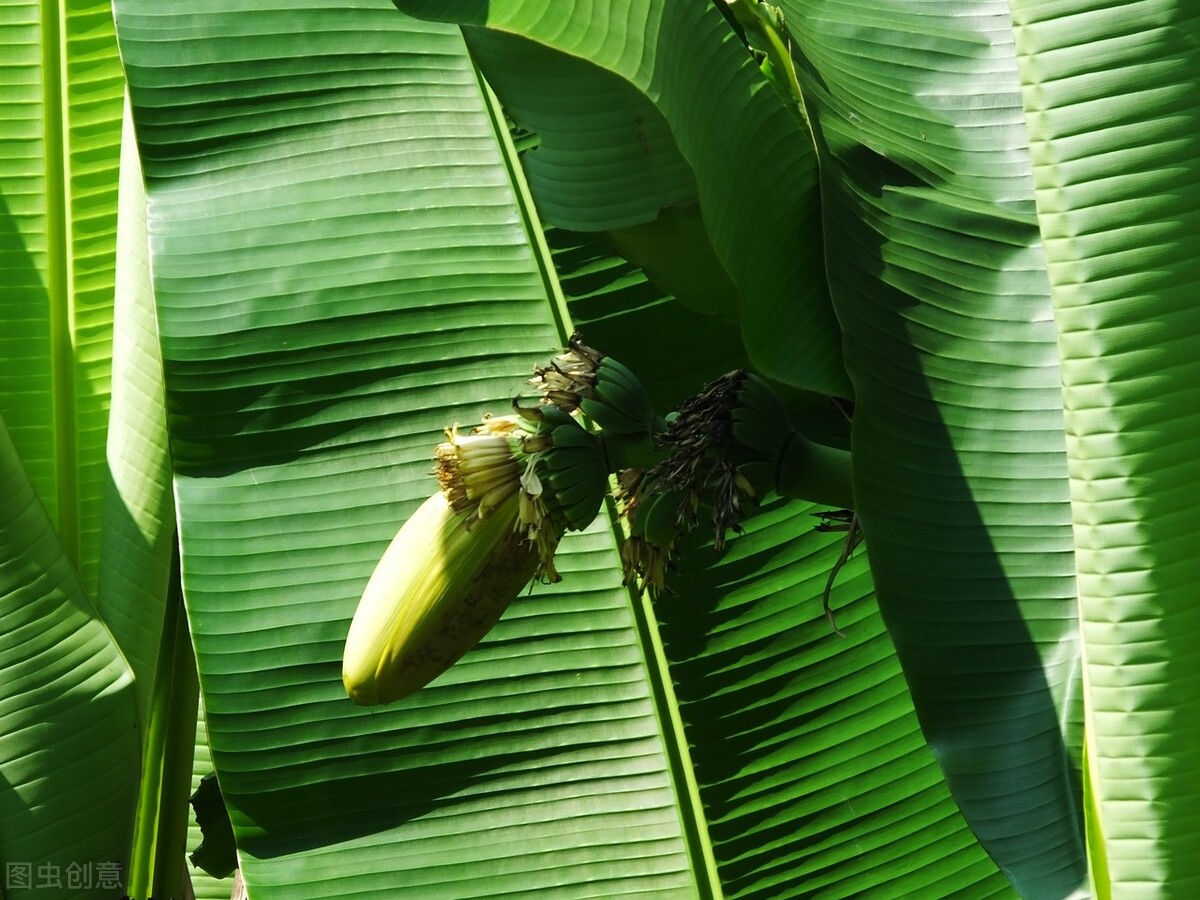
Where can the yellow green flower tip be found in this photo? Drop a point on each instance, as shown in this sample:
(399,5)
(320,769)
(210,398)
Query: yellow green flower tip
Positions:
(468,551)
(477,471)
(441,585)
(481,470)
(455,565)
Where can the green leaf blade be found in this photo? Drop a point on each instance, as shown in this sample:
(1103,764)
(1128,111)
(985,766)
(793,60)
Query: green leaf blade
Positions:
(753,161)
(938,276)
(1116,207)
(605,158)
(310,370)
(810,760)
(59,149)
(69,753)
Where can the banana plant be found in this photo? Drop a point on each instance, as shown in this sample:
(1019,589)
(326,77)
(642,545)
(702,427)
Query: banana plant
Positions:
(331,249)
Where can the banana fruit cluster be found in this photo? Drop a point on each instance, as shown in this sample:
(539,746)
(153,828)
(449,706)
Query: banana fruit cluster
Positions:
(511,487)
(508,490)
(602,388)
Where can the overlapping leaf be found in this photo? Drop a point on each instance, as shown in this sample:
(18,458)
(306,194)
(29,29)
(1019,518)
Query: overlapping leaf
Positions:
(606,158)
(606,161)
(813,774)
(70,746)
(68,756)
(790,756)
(138,539)
(816,779)
(59,146)
(937,272)
(1114,142)
(753,163)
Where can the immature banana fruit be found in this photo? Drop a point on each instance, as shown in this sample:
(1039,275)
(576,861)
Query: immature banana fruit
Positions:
(657,516)
(606,391)
(761,431)
(574,470)
(619,402)
(723,447)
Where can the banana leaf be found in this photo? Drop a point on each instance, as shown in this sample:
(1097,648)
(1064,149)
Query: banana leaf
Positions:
(1118,204)
(937,271)
(71,747)
(933,259)
(752,159)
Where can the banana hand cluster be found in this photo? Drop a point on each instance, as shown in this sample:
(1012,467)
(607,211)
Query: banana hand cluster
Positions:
(605,390)
(761,431)
(656,516)
(574,470)
(511,487)
(619,402)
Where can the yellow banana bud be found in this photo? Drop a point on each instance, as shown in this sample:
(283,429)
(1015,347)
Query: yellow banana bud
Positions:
(443,582)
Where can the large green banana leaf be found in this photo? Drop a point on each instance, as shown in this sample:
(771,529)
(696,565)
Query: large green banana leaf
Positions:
(59,153)
(936,269)
(1118,198)
(81,390)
